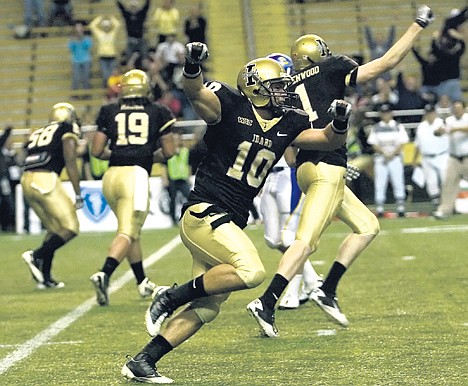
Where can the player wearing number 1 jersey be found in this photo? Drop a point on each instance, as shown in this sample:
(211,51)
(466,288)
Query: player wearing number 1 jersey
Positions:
(319,78)
(50,149)
(135,129)
(248,132)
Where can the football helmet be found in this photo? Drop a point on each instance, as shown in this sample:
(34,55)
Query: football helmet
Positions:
(135,84)
(264,82)
(284,60)
(309,49)
(63,112)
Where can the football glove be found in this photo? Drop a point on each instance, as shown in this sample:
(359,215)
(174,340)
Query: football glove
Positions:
(424,16)
(352,172)
(340,110)
(79,202)
(195,53)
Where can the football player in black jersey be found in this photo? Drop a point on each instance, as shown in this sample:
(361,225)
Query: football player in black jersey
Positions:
(319,79)
(248,132)
(135,128)
(50,149)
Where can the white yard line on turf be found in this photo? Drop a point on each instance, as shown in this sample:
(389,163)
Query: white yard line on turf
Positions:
(27,348)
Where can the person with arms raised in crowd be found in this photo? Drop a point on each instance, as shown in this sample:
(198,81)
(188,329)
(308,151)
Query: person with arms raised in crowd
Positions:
(248,132)
(50,149)
(321,77)
(136,128)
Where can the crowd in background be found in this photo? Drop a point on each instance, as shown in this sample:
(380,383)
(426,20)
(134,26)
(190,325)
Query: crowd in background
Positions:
(162,57)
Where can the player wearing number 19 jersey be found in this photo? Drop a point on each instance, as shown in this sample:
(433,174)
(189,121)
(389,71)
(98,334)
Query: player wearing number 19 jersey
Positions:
(134,128)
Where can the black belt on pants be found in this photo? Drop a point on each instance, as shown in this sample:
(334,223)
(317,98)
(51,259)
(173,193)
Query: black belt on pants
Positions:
(214,209)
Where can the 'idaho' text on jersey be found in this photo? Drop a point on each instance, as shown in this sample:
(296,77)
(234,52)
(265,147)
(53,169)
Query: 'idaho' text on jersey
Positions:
(242,149)
(133,131)
(318,86)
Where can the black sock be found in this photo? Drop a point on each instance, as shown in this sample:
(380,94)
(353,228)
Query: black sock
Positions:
(138,271)
(155,350)
(110,266)
(274,291)
(187,292)
(331,282)
(46,253)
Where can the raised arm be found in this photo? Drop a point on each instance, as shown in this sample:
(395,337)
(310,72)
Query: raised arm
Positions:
(204,101)
(398,51)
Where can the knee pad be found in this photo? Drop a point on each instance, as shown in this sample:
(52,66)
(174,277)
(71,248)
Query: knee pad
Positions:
(207,309)
(253,274)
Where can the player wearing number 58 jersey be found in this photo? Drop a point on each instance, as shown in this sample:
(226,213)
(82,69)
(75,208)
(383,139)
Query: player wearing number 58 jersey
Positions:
(248,132)
(319,78)
(50,149)
(135,128)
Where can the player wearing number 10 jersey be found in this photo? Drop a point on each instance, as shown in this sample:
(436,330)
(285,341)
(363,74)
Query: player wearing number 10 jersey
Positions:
(135,129)
(248,132)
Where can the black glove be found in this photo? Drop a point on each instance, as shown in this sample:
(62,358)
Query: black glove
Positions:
(340,110)
(424,16)
(195,53)
(79,202)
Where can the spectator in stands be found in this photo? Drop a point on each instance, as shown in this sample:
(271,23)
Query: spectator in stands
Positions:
(172,54)
(195,25)
(456,126)
(448,53)
(61,13)
(379,45)
(154,67)
(167,20)
(387,138)
(443,106)
(7,208)
(429,74)
(135,16)
(80,48)
(113,84)
(409,97)
(385,95)
(104,29)
(431,152)
(34,14)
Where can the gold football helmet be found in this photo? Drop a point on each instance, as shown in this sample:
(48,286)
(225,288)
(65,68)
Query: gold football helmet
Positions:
(309,49)
(63,112)
(135,84)
(264,82)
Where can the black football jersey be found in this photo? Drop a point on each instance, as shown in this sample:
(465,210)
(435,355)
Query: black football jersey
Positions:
(318,86)
(241,150)
(133,131)
(45,149)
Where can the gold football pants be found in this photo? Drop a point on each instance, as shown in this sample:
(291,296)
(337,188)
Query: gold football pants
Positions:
(46,195)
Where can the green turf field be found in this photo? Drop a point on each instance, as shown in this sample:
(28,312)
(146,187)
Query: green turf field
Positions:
(405,298)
